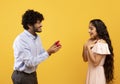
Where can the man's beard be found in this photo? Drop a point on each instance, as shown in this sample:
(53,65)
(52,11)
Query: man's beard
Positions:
(36,29)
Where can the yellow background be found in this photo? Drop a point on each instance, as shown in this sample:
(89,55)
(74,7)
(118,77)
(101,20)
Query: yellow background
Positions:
(67,21)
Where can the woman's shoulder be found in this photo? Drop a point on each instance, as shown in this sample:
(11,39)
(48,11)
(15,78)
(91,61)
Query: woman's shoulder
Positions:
(102,41)
(101,47)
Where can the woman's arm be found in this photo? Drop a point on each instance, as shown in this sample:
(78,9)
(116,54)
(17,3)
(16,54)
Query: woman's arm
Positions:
(95,58)
(84,54)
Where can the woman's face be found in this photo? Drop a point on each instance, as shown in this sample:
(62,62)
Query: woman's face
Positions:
(92,31)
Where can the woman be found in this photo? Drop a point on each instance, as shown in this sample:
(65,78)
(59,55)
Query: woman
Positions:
(98,51)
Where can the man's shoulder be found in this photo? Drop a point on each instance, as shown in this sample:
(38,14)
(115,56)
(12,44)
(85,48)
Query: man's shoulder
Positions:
(20,36)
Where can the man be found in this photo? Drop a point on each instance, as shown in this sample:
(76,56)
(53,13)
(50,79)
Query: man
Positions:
(28,50)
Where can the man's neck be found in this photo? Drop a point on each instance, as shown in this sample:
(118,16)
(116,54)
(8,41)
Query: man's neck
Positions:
(32,32)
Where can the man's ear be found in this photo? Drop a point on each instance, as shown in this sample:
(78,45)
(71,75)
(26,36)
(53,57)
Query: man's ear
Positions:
(30,26)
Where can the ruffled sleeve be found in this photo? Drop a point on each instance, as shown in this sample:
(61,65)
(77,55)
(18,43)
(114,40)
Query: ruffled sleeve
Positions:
(101,48)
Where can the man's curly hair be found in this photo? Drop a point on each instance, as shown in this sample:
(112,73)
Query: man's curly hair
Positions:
(30,17)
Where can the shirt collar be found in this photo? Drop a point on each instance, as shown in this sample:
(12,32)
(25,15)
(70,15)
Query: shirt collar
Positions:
(30,35)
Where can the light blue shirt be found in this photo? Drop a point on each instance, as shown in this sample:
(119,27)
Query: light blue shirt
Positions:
(28,52)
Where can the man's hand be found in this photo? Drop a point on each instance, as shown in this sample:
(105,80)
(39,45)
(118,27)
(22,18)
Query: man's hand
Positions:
(54,48)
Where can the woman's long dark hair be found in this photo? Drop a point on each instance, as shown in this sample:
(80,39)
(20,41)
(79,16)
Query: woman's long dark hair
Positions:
(102,32)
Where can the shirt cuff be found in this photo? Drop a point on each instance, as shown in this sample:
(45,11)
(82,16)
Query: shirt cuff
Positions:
(46,54)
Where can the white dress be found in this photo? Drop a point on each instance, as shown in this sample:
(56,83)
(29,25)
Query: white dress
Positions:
(95,75)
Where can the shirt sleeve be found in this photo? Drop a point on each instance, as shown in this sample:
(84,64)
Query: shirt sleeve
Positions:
(22,53)
(101,48)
